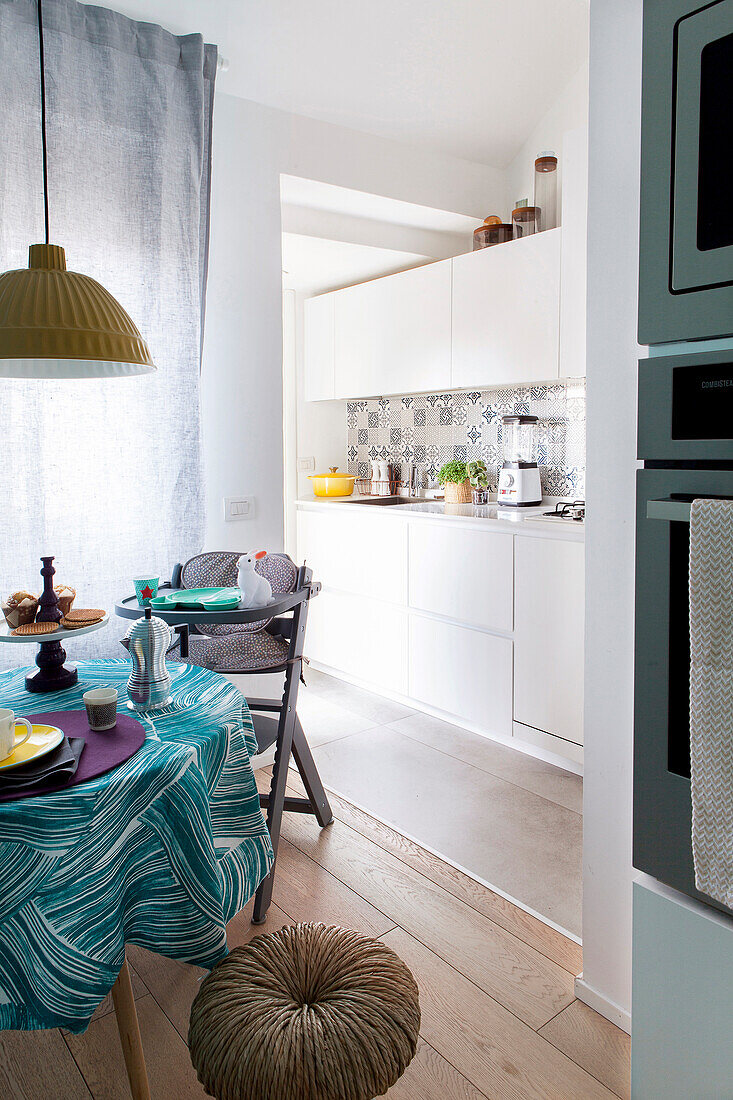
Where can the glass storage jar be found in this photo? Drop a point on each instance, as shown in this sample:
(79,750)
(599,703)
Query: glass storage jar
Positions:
(525,219)
(545,189)
(493,231)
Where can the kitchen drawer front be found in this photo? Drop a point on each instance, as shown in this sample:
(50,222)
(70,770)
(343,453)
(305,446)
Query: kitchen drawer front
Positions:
(462,574)
(549,599)
(363,638)
(463,672)
(363,554)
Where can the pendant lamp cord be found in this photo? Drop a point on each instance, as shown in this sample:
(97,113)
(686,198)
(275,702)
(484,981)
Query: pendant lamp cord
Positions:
(42,61)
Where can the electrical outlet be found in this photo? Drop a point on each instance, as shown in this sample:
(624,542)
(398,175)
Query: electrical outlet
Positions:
(236,508)
(306,465)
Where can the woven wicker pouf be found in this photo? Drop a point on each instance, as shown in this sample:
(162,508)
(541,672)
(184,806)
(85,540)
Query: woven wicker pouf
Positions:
(305,1013)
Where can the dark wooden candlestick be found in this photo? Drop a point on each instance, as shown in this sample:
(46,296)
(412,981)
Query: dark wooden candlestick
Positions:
(53,675)
(48,605)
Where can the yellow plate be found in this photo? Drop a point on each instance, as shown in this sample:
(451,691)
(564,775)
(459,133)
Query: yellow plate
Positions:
(42,740)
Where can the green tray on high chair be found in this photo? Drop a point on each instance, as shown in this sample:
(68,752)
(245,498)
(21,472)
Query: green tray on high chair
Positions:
(210,599)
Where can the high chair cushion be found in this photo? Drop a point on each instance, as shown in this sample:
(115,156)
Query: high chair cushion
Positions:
(218,568)
(241,652)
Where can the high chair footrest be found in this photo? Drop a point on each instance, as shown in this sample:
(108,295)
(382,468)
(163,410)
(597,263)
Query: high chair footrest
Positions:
(291,804)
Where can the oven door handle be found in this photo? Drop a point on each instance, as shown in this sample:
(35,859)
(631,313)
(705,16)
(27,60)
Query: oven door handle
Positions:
(669,510)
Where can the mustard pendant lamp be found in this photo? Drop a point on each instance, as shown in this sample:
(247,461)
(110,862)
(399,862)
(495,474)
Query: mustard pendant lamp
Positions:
(56,323)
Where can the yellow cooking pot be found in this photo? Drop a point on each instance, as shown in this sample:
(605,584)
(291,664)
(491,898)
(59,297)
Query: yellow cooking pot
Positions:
(333,484)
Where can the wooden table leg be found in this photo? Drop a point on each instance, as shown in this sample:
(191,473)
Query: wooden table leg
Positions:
(129,1029)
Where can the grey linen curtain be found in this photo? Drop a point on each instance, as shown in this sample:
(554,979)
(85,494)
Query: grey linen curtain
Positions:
(106,474)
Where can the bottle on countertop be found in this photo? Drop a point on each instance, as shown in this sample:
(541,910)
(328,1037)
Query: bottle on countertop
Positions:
(385,476)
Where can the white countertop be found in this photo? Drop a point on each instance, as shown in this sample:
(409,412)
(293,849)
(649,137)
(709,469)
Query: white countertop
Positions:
(525,521)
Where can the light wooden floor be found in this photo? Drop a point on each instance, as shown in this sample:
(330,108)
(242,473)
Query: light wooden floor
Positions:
(499,1018)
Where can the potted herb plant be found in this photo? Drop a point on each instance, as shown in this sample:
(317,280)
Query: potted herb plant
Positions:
(478,475)
(453,476)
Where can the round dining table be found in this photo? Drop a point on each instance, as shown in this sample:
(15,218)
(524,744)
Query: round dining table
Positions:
(160,852)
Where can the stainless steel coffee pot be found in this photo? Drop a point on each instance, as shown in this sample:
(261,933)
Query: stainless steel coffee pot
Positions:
(147,641)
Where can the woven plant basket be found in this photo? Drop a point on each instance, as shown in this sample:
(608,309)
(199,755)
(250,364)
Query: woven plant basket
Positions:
(457,492)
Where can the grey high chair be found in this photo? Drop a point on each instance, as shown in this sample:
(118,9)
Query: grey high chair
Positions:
(269,645)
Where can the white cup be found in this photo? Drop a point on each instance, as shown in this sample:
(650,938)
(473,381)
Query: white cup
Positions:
(8,738)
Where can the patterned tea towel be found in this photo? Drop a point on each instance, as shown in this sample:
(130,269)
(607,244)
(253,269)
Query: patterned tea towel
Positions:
(711,696)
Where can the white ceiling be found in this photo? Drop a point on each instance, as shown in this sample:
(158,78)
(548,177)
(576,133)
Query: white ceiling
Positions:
(468,78)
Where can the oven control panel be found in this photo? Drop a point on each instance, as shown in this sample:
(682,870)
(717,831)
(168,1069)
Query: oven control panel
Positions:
(686,408)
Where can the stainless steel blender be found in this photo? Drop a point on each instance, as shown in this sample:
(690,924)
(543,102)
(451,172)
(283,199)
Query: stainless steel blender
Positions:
(519,479)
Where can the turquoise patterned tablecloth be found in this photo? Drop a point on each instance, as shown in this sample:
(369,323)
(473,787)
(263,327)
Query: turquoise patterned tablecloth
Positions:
(161,852)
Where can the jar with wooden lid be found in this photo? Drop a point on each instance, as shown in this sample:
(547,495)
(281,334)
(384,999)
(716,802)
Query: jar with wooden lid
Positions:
(493,231)
(525,219)
(545,189)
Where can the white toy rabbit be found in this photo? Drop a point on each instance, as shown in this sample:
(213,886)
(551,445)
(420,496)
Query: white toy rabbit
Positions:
(256,590)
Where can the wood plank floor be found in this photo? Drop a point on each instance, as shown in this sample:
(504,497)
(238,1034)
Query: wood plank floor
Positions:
(499,1018)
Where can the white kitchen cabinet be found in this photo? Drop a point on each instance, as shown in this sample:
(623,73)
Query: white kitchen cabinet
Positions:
(393,335)
(480,624)
(318,335)
(506,313)
(462,575)
(364,638)
(549,595)
(363,554)
(463,672)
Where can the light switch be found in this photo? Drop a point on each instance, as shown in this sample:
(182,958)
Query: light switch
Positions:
(238,508)
(306,465)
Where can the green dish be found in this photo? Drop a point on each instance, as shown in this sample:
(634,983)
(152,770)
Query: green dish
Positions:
(210,599)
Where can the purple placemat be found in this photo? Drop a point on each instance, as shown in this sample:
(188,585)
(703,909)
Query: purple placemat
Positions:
(102,752)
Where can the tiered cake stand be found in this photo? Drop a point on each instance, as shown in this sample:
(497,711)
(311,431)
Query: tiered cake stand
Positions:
(53,674)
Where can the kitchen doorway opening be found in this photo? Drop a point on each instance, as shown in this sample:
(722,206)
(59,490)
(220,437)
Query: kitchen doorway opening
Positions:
(503,809)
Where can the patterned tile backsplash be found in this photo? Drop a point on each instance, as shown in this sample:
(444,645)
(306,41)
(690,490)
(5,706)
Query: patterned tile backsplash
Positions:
(430,429)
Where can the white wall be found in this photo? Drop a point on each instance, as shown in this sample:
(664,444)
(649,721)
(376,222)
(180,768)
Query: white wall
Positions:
(317,429)
(321,427)
(568,112)
(242,369)
(613,214)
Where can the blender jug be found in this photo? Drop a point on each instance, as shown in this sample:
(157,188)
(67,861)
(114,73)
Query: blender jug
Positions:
(519,480)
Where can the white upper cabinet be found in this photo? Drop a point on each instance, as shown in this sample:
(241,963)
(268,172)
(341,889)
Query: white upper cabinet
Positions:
(489,318)
(393,335)
(318,339)
(506,313)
